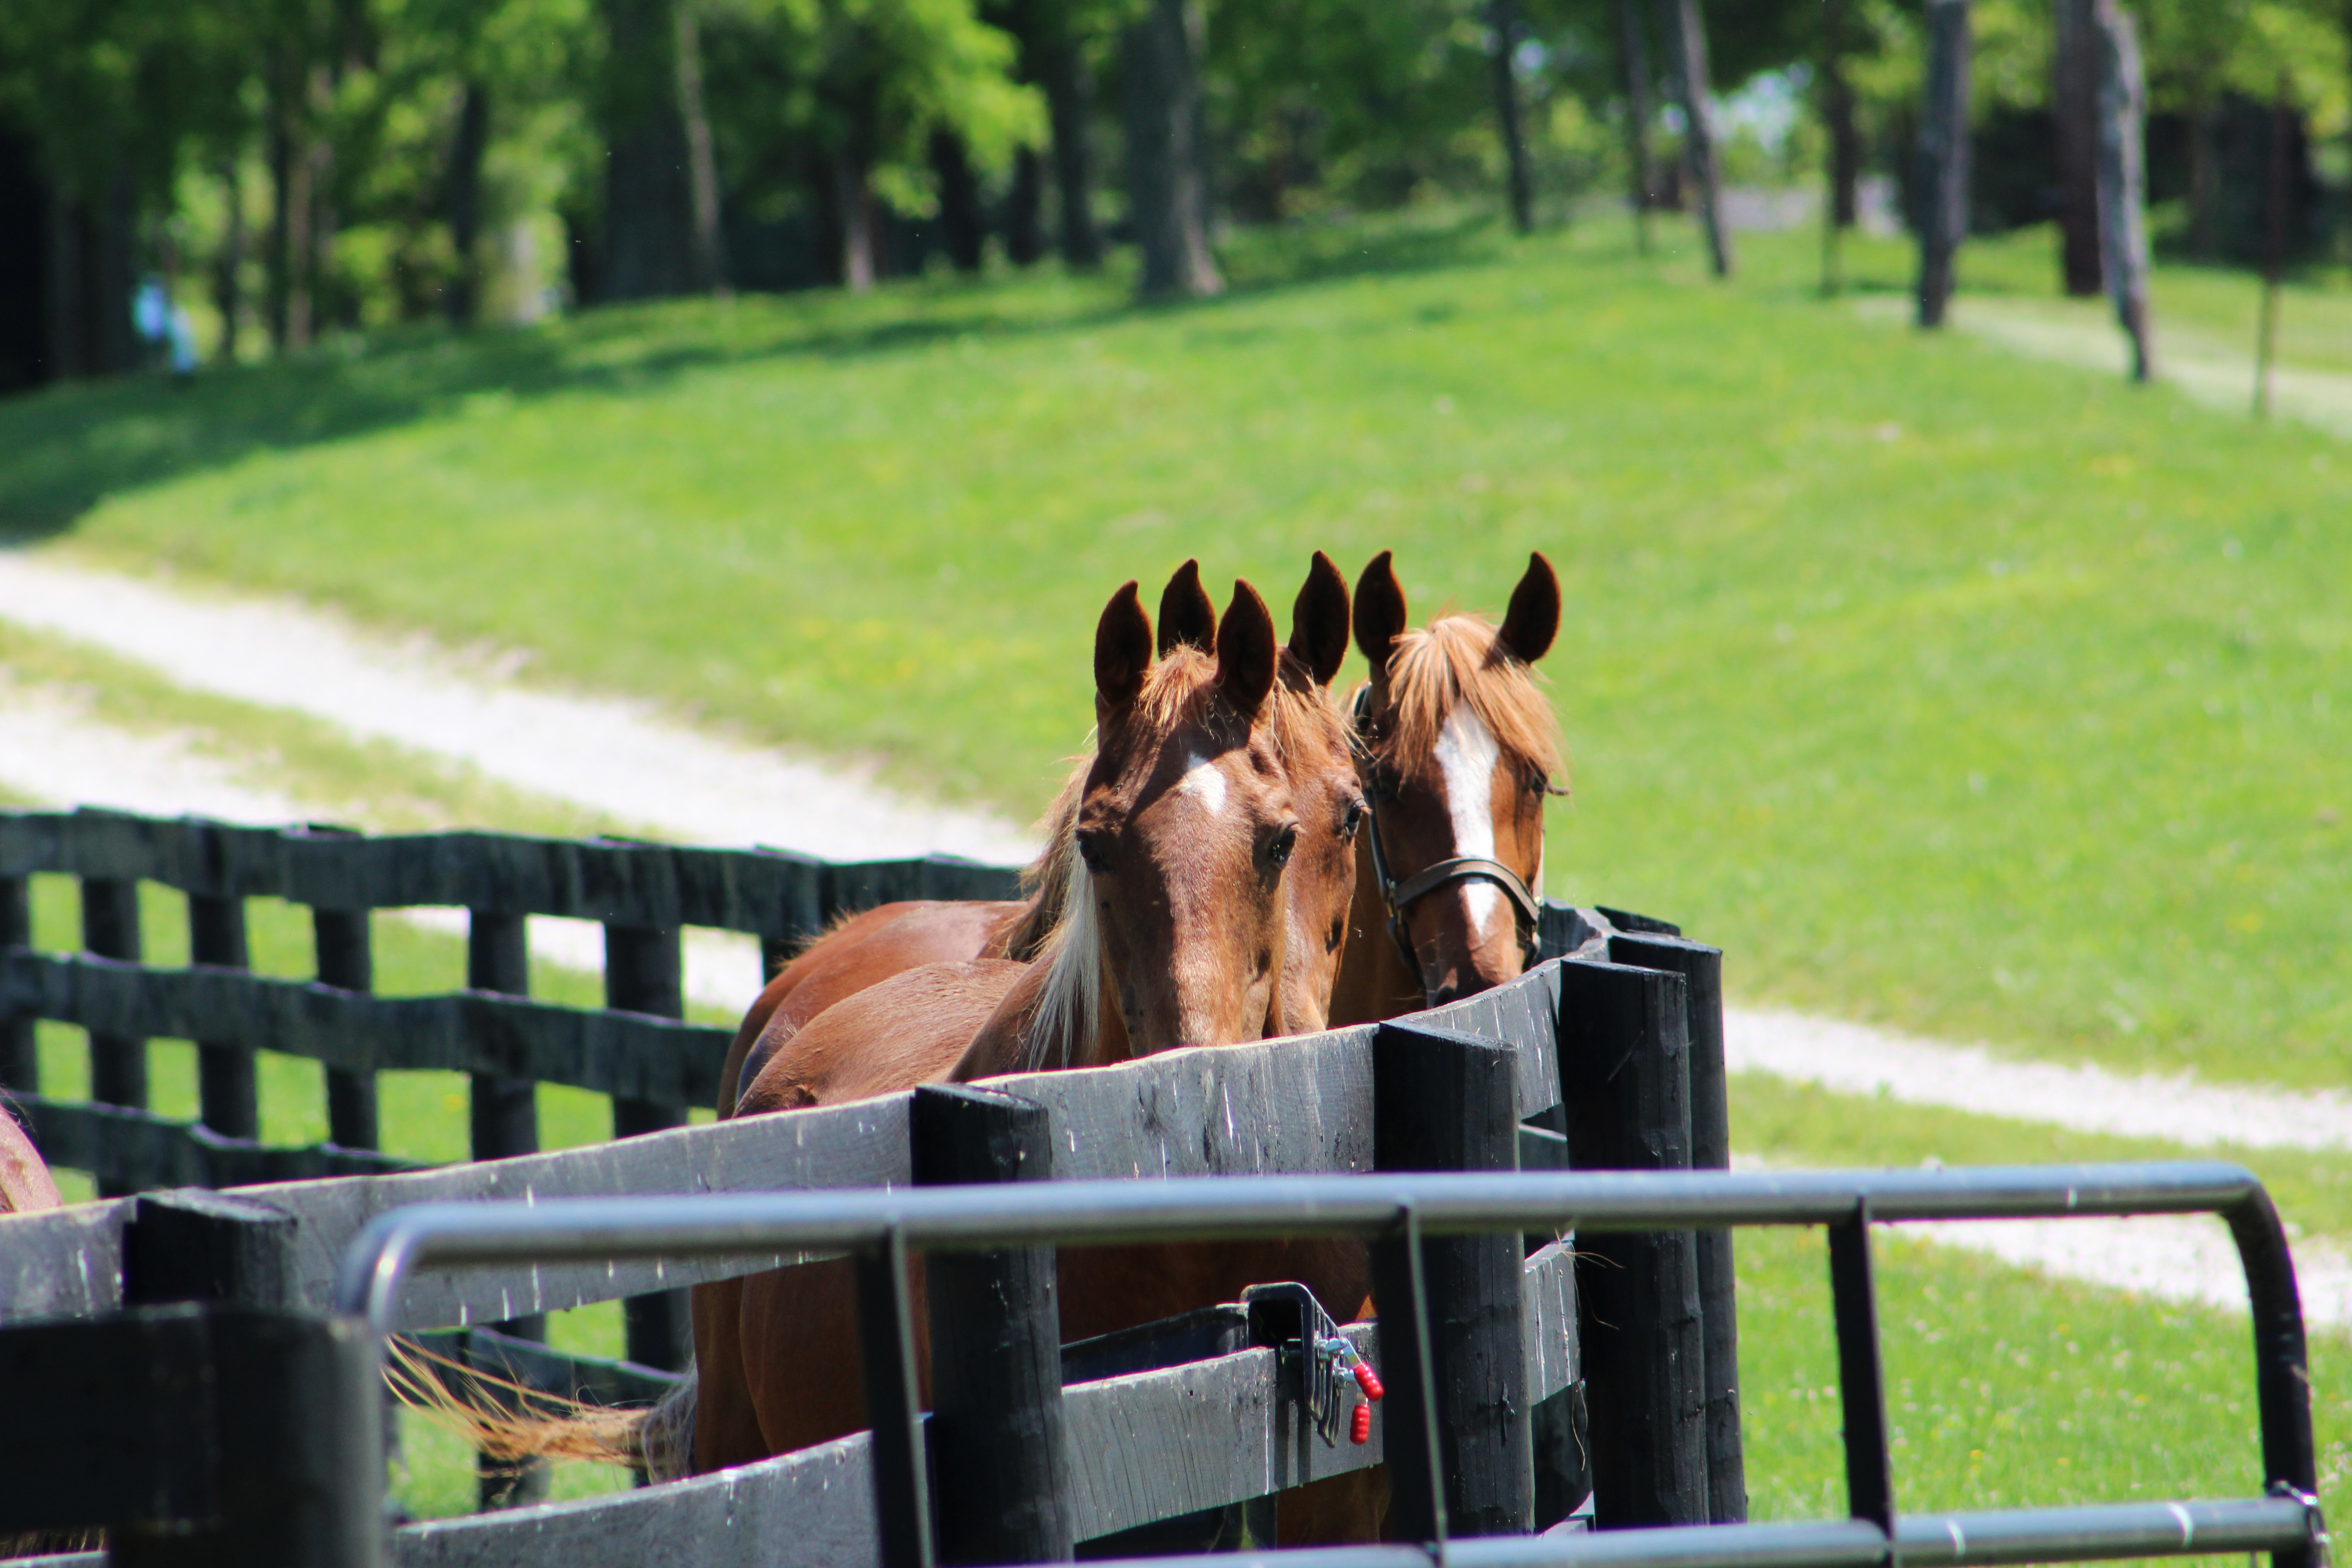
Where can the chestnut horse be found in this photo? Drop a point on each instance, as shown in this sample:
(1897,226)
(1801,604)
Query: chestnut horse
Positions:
(1182,883)
(874,944)
(1457,749)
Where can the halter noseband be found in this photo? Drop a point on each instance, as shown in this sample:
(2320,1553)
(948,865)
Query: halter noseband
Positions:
(1401,896)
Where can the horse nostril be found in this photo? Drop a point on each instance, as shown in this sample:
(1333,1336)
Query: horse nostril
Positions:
(1444,994)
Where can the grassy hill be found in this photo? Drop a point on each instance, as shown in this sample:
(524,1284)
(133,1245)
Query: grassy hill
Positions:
(1941,686)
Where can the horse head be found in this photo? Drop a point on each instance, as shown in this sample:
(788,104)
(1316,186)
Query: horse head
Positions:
(1208,841)
(1458,751)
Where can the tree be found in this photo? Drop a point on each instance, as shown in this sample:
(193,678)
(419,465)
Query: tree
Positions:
(1160,92)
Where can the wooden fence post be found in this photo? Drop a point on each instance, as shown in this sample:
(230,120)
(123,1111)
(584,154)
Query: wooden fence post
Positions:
(117,1064)
(296,1435)
(1624,1066)
(644,972)
(1701,968)
(228,1101)
(20,1060)
(504,1115)
(996,1429)
(343,947)
(346,960)
(1444,1102)
(1943,156)
(195,1246)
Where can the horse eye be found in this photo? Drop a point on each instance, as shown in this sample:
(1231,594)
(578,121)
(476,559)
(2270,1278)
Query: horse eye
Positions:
(1353,820)
(1094,851)
(1278,851)
(1538,783)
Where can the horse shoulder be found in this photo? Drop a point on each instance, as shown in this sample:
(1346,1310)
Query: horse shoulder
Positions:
(905,1030)
(999,1042)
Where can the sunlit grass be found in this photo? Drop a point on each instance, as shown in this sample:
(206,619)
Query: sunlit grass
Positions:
(1940,684)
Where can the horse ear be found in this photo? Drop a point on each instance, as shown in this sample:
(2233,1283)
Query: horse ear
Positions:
(1533,619)
(1380,612)
(1319,620)
(1122,649)
(1245,651)
(1186,613)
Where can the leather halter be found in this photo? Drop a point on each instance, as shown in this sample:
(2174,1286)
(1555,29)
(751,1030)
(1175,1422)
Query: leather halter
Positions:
(1401,896)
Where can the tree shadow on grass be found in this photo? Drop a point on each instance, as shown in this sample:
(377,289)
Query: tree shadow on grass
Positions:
(65,449)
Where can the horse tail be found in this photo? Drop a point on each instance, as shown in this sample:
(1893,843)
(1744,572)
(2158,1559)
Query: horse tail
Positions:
(510,1423)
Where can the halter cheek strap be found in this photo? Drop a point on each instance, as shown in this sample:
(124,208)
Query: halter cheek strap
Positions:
(1399,897)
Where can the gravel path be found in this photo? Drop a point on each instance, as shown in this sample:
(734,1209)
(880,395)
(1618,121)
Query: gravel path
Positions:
(612,755)
(619,758)
(1853,1059)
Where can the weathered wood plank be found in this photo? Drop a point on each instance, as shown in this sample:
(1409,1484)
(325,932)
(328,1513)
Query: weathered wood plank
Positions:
(625,1054)
(67,1262)
(1298,1104)
(1139,1448)
(812,1509)
(141,1151)
(1550,1284)
(62,1263)
(1301,1104)
(1524,1016)
(768,891)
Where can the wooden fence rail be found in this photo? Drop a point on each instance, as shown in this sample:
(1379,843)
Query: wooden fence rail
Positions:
(1299,1105)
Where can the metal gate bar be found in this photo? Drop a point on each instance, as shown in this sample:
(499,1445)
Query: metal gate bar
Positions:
(2287,1523)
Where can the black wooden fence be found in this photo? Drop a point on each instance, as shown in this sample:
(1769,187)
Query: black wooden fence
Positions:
(1627,1025)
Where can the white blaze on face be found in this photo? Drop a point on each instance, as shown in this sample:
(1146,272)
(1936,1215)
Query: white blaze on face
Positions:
(1203,783)
(1466,755)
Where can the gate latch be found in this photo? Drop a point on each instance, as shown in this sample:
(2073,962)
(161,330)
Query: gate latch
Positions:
(1312,1342)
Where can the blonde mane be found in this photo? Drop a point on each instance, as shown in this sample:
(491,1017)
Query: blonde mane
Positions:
(1455,659)
(1060,929)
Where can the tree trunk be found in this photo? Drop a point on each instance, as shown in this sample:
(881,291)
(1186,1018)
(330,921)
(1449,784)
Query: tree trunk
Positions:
(317,263)
(2073,96)
(963,225)
(1069,99)
(1943,156)
(72,353)
(853,196)
(1642,187)
(228,267)
(278,259)
(1844,137)
(648,211)
(1687,36)
(708,249)
(1025,209)
(1503,22)
(2122,177)
(465,297)
(1160,52)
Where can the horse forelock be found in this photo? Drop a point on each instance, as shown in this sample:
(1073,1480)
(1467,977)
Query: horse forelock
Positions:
(1454,660)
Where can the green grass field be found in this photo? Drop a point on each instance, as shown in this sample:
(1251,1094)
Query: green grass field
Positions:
(1941,686)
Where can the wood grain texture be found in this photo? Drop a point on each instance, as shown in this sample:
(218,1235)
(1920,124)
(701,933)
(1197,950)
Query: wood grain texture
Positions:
(625,1054)
(771,892)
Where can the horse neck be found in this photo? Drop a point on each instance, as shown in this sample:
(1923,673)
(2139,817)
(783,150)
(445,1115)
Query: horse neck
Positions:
(1373,983)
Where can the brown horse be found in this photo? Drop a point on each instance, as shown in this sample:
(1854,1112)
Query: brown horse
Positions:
(1177,925)
(1458,750)
(875,945)
(25,1180)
